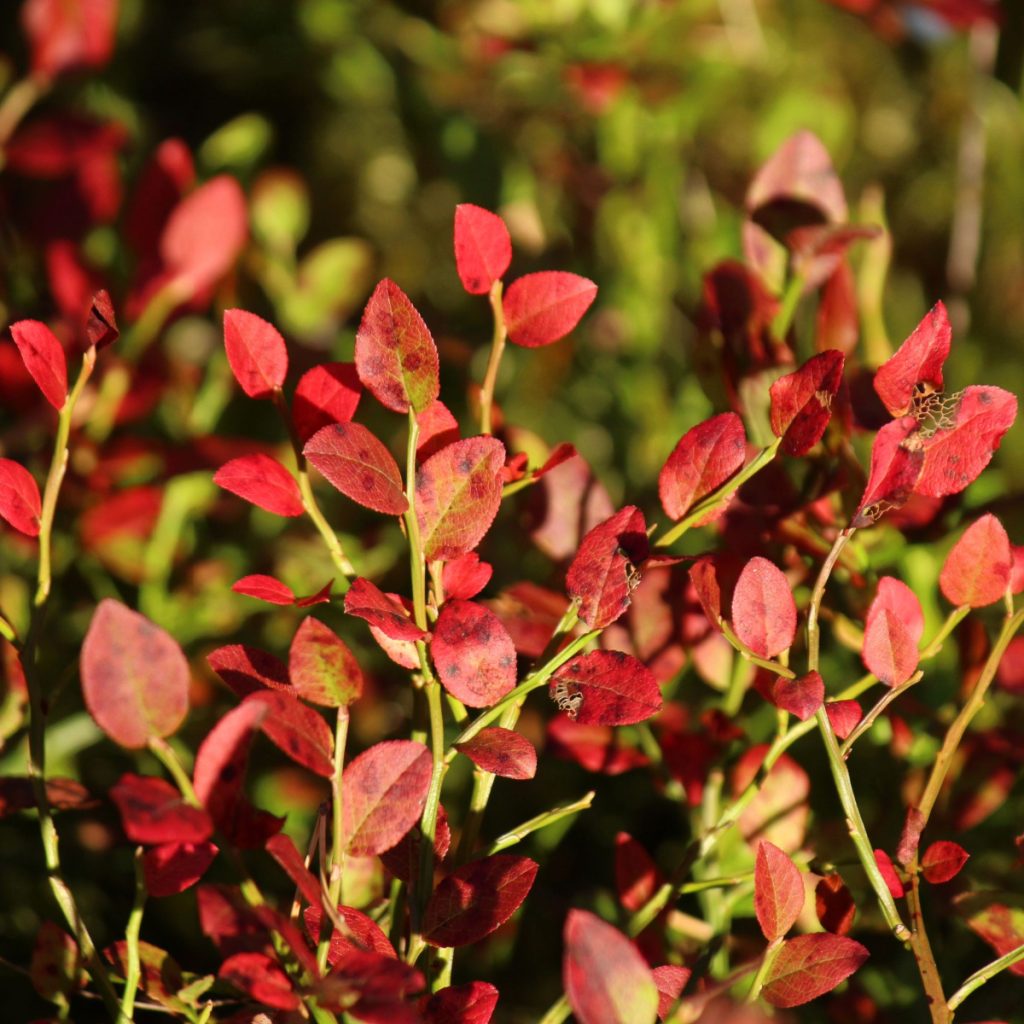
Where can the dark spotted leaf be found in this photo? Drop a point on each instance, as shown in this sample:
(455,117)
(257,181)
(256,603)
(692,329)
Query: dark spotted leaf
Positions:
(321,667)
(606,688)
(502,752)
(473,653)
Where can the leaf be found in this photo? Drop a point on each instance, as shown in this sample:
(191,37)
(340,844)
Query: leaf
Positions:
(174,867)
(437,428)
(834,905)
(670,981)
(778,891)
(636,875)
(385,788)
(844,715)
(256,352)
(464,577)
(403,859)
(916,366)
(483,249)
(362,932)
(20,502)
(101,327)
(259,978)
(977,570)
(942,861)
(502,752)
(603,574)
(248,669)
(801,697)
(473,653)
(897,458)
(606,979)
(1001,925)
(477,898)
(801,402)
(162,979)
(322,668)
(359,465)
(763,609)
(892,632)
(283,850)
(153,811)
(366,601)
(702,460)
(44,359)
(541,308)
(64,37)
(296,730)
(458,491)
(615,688)
(472,1003)
(395,354)
(17,793)
(264,588)
(808,966)
(264,482)
(892,880)
(371,988)
(327,394)
(55,967)
(135,678)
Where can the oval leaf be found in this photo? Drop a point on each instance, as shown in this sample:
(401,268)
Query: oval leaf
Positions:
(892,632)
(483,249)
(296,730)
(834,905)
(264,588)
(153,811)
(778,891)
(801,697)
(801,402)
(501,752)
(763,609)
(256,352)
(607,688)
(942,861)
(20,502)
(916,365)
(322,668)
(263,481)
(541,308)
(472,1003)
(977,570)
(808,966)
(465,576)
(324,395)
(474,655)
(367,601)
(44,359)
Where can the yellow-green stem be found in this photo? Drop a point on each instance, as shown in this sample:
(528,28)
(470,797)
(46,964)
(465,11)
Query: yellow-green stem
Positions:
(762,971)
(986,973)
(133,968)
(494,362)
(334,891)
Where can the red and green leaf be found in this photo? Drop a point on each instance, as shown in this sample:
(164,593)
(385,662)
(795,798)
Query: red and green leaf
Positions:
(321,667)
(809,966)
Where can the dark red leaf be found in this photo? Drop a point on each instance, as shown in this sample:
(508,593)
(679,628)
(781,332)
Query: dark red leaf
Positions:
(263,481)
(606,688)
(54,969)
(541,308)
(801,697)
(502,752)
(834,905)
(763,609)
(636,875)
(256,352)
(327,394)
(65,37)
(264,588)
(371,988)
(702,460)
(18,794)
(808,966)
(258,977)
(322,668)
(892,880)
(801,402)
(175,867)
(153,811)
(942,861)
(359,465)
(606,979)
(977,569)
(916,367)
(477,898)
(778,891)
(283,850)
(361,932)
(897,458)
(296,730)
(474,655)
(248,669)
(395,354)
(162,978)
(437,428)
(44,359)
(100,322)
(843,716)
(403,859)
(483,249)
(228,921)
(20,502)
(472,1003)
(135,678)
(366,601)
(892,632)
(464,577)
(670,982)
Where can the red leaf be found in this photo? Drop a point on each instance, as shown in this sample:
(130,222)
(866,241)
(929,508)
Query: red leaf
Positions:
(327,394)
(153,811)
(474,655)
(942,861)
(897,458)
(64,37)
(362,932)
(801,697)
(322,668)
(403,859)
(20,502)
(204,235)
(636,875)
(763,609)
(502,752)
(256,352)
(395,354)
(175,867)
(283,850)
(977,569)
(359,465)
(101,327)
(801,402)
(472,1003)
(606,688)
(464,577)
(296,730)
(808,966)
(248,669)
(596,748)
(541,308)
(264,588)
(135,678)
(892,880)
(670,981)
(322,596)
(385,788)
(910,837)
(843,716)
(437,428)
(458,491)
(477,898)
(778,891)
(256,975)
(603,574)
(55,967)
(703,459)
(834,905)
(606,979)
(263,481)
(366,601)
(916,367)
(483,249)
(44,359)
(892,632)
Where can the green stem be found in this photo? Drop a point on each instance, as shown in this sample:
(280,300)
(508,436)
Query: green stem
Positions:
(772,666)
(557,1012)
(955,617)
(535,824)
(334,892)
(986,973)
(165,754)
(417,565)
(871,717)
(494,362)
(787,310)
(428,823)
(133,969)
(762,971)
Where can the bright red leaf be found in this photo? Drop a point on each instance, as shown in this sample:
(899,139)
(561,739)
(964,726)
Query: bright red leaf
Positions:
(322,668)
(472,1003)
(778,891)
(808,966)
(283,850)
(897,458)
(263,481)
(843,716)
(259,978)
(834,905)
(366,601)
(44,359)
(892,879)
(606,688)
(264,588)
(636,875)
(977,570)
(541,308)
(763,609)
(153,811)
(327,394)
(20,502)
(175,867)
(801,697)
(296,730)
(942,861)
(464,577)
(256,352)
(502,752)
(66,36)
(801,402)
(248,669)
(916,367)
(483,249)
(892,632)
(473,653)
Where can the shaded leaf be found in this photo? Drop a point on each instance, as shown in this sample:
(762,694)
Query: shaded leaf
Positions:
(162,978)
(366,601)
(801,697)
(942,861)
(808,966)
(636,875)
(464,577)
(897,458)
(483,249)
(916,366)
(437,428)
(801,402)
(18,794)
(101,327)
(264,588)
(596,748)
(834,905)
(541,308)
(20,501)
(296,730)
(54,969)
(615,688)
(472,1003)
(327,394)
(403,859)
(248,669)
(1000,924)
(321,667)
(153,811)
(763,609)
(44,359)
(256,352)
(844,715)
(263,481)
(893,630)
(778,891)
(64,37)
(174,867)
(977,569)
(502,752)
(670,981)
(362,932)
(283,850)
(258,977)
(473,653)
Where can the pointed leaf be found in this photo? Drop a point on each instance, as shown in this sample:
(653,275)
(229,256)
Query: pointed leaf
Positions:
(483,249)
(501,752)
(778,891)
(474,655)
(977,569)
(264,588)
(248,669)
(283,850)
(256,352)
(20,502)
(135,678)
(44,359)
(844,715)
(464,577)
(259,978)
(322,668)
(263,481)
(175,867)
(892,879)
(327,394)
(101,327)
(801,402)
(808,966)
(942,861)
(472,1003)
(606,688)
(395,354)
(897,458)
(153,811)
(541,308)
(296,730)
(636,876)
(892,632)
(362,932)
(366,601)
(763,609)
(916,366)
(801,697)
(834,905)
(670,981)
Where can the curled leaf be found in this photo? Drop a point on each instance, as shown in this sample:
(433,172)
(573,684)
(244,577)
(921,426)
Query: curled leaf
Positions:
(916,366)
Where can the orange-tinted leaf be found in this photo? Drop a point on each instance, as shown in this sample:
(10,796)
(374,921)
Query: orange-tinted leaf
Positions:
(502,752)
(464,577)
(296,730)
(248,669)
(263,481)
(327,394)
(606,688)
(366,601)
(778,891)
(153,811)
(808,966)
(670,981)
(135,678)
(264,588)
(916,366)
(483,249)
(283,850)
(362,931)
(834,905)
(843,716)
(942,861)
(385,788)
(359,465)
(472,1003)
(893,630)
(175,867)
(477,898)
(763,609)
(541,308)
(801,697)
(458,491)
(897,458)
(20,502)
(892,880)
(395,353)
(44,359)
(703,459)
(801,402)
(606,979)
(259,978)
(977,569)
(636,875)
(322,668)
(256,352)
(474,655)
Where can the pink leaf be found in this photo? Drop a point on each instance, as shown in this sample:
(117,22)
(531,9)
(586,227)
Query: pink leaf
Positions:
(327,394)
(153,811)
(893,630)
(843,716)
(501,752)
(801,402)
(483,249)
(897,458)
(264,588)
(916,367)
(472,1003)
(474,655)
(763,609)
(175,867)
(942,861)
(541,308)
(20,503)
(296,730)
(67,36)
(801,697)
(464,577)
(256,352)
(977,570)
(670,981)
(44,359)
(778,891)
(366,601)
(263,481)
(606,688)
(322,668)
(808,966)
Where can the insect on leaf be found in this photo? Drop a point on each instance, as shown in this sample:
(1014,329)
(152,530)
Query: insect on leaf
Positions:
(977,570)
(256,352)
(606,688)
(763,609)
(473,653)
(541,308)
(263,481)
(897,458)
(483,249)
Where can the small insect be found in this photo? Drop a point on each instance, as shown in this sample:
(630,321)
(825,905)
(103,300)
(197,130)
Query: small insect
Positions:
(567,700)
(633,574)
